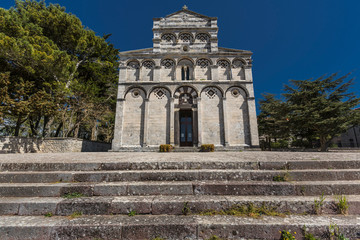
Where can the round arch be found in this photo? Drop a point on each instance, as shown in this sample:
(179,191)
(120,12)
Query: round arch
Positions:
(147,59)
(201,36)
(208,59)
(219,62)
(186,88)
(155,87)
(132,60)
(239,59)
(186,37)
(238,86)
(185,58)
(213,86)
(132,87)
(168,36)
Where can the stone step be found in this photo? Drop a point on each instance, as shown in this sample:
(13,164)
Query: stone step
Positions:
(294,188)
(186,149)
(171,205)
(177,164)
(180,175)
(153,161)
(171,227)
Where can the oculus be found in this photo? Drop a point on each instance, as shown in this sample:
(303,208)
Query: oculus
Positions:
(135,93)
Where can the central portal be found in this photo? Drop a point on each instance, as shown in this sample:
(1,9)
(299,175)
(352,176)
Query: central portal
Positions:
(186,128)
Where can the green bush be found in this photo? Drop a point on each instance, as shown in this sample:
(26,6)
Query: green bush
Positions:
(207,148)
(166,148)
(280,144)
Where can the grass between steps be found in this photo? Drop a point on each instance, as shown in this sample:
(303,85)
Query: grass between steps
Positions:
(248,210)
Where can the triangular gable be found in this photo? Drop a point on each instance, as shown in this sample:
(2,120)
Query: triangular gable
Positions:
(187,11)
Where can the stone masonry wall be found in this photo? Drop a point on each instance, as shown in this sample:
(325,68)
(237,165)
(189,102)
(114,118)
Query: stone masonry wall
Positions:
(50,145)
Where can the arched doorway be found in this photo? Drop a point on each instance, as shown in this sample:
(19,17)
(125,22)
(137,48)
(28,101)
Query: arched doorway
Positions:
(186,117)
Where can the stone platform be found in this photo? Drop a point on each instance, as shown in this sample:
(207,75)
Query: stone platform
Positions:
(157,187)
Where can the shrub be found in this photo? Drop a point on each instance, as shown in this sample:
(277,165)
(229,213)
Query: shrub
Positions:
(207,148)
(301,143)
(166,148)
(280,144)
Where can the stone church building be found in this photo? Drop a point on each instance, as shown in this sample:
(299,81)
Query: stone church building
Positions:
(185,90)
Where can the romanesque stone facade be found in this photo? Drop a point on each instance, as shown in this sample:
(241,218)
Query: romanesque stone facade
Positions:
(185,91)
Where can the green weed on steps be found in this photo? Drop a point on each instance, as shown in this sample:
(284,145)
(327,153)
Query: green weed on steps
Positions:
(245,210)
(73,195)
(342,205)
(318,204)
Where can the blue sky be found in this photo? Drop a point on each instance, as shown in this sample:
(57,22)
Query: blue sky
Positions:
(290,39)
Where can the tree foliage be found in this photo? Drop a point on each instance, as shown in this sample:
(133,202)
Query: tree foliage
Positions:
(56,76)
(317,109)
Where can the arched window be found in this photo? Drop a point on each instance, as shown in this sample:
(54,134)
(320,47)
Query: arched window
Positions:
(185,73)
(186,69)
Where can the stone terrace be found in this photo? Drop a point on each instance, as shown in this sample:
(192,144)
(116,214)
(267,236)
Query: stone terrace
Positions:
(159,186)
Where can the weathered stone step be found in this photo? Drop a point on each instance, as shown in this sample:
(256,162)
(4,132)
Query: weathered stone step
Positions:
(171,227)
(171,205)
(153,161)
(180,175)
(178,164)
(305,188)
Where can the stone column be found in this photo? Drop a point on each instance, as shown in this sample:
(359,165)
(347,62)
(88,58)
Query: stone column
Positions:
(199,110)
(226,127)
(172,129)
(146,117)
(117,141)
(254,135)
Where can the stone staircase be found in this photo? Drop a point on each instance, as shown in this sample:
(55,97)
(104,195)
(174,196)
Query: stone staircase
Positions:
(178,195)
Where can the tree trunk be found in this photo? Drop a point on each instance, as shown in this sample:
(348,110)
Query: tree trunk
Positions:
(58,130)
(18,125)
(76,130)
(47,123)
(93,131)
(32,128)
(324,143)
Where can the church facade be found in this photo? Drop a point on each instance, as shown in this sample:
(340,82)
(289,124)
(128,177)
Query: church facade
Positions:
(185,90)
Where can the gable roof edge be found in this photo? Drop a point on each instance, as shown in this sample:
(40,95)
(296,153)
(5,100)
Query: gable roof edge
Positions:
(191,12)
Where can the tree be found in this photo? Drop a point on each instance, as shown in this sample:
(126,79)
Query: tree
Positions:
(317,109)
(321,107)
(273,122)
(58,72)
